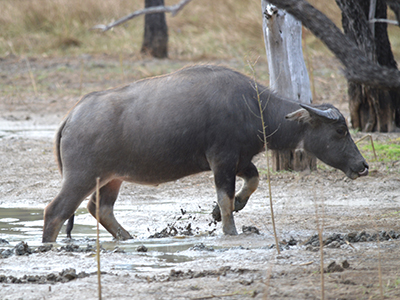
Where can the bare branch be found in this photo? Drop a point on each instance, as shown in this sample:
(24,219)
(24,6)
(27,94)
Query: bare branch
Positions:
(393,22)
(173,9)
(358,68)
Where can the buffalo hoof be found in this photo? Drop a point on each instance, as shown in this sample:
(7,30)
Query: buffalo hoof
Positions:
(239,205)
(122,235)
(216,214)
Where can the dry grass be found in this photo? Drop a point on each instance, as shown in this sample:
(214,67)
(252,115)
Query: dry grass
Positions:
(228,31)
(49,27)
(205,29)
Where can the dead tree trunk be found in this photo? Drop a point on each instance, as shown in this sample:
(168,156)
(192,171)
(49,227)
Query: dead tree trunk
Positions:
(371,109)
(155,40)
(288,75)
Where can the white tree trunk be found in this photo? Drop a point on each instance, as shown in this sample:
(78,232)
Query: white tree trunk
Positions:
(287,71)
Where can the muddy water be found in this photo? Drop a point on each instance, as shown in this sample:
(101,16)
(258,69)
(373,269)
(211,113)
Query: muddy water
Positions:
(25,224)
(20,224)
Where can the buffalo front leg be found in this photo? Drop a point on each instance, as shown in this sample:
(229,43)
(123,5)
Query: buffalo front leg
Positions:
(108,196)
(251,180)
(225,184)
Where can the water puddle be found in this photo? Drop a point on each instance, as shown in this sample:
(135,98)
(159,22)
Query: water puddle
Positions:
(25,224)
(34,133)
(21,224)
(26,128)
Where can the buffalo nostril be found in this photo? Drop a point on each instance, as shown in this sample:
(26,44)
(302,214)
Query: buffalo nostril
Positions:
(365,171)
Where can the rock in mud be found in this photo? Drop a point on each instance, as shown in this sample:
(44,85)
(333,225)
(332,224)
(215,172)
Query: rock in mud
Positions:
(333,267)
(68,274)
(118,250)
(284,244)
(273,246)
(4,253)
(313,241)
(64,276)
(70,248)
(178,274)
(334,244)
(141,248)
(44,248)
(201,247)
(76,248)
(250,229)
(33,279)
(335,240)
(312,248)
(345,264)
(291,242)
(51,277)
(4,242)
(22,249)
(246,281)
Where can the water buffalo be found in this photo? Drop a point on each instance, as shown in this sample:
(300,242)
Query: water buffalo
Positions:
(197,119)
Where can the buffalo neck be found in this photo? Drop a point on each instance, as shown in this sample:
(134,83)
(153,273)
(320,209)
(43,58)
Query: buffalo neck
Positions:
(282,133)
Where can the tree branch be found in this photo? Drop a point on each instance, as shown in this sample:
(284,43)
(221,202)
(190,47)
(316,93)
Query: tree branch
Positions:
(392,22)
(358,68)
(173,9)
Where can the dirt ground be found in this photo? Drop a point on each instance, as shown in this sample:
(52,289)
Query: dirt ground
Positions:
(359,219)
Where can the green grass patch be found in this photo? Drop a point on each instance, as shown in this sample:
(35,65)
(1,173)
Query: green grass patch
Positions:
(385,151)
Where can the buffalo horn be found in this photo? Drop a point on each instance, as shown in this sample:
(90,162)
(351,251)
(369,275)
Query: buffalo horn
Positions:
(328,113)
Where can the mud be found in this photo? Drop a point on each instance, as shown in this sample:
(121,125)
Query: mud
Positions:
(62,277)
(179,251)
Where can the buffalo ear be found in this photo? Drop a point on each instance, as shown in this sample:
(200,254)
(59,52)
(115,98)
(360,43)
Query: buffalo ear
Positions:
(301,115)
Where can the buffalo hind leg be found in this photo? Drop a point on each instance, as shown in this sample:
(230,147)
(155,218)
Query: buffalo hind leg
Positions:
(108,196)
(251,179)
(63,206)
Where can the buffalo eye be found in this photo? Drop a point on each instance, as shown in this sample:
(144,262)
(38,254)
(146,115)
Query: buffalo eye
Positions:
(341,131)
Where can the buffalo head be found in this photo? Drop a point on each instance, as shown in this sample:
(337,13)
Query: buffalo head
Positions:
(327,137)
